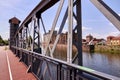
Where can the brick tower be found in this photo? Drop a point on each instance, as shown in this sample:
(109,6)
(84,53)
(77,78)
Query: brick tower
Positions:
(14,24)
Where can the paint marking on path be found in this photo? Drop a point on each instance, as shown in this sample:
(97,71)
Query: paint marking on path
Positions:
(10,73)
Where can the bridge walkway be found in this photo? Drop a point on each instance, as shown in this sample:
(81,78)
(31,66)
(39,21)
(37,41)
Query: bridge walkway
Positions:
(11,68)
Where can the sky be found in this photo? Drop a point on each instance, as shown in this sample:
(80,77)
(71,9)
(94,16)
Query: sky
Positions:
(93,21)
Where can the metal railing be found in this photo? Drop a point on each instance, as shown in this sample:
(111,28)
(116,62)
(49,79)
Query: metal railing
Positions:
(47,68)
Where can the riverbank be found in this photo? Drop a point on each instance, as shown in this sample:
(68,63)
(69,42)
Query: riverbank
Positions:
(98,48)
(107,49)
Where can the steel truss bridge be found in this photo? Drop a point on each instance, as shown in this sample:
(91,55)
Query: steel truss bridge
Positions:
(27,42)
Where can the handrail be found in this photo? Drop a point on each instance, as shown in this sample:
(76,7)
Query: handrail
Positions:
(81,68)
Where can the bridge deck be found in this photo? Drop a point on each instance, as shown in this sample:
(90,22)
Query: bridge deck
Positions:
(11,68)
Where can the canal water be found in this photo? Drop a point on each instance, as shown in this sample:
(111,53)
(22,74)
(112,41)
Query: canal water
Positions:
(104,62)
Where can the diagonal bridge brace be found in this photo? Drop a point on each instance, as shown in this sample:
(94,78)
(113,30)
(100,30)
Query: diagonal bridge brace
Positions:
(112,16)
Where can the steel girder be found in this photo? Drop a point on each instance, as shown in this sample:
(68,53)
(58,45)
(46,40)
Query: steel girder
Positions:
(73,11)
(112,16)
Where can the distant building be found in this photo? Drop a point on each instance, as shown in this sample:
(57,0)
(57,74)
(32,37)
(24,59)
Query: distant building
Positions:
(47,36)
(94,41)
(63,38)
(89,38)
(113,41)
(99,41)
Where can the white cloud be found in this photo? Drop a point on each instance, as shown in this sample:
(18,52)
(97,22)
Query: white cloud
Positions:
(114,33)
(98,36)
(9,3)
(5,35)
(63,31)
(95,35)
(11,8)
(85,28)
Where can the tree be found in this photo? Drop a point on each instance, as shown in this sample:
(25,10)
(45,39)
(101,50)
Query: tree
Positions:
(3,42)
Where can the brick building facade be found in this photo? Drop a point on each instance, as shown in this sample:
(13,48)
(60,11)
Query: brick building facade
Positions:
(113,41)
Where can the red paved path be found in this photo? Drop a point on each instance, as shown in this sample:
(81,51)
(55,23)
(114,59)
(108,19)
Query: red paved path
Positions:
(18,70)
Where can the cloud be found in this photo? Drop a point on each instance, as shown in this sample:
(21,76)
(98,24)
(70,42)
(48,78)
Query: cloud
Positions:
(114,33)
(98,36)
(86,28)
(63,31)
(5,35)
(95,21)
(9,3)
(9,7)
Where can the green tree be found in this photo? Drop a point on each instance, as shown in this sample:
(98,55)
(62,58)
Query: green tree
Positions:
(1,41)
(5,42)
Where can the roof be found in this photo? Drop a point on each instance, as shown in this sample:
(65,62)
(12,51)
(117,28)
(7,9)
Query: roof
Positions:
(14,20)
(116,38)
(113,37)
(89,36)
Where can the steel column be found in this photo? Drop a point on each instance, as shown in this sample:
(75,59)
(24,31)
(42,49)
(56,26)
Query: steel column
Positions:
(79,31)
(70,30)
(36,35)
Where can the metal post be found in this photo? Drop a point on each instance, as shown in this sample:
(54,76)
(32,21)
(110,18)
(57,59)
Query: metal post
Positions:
(27,37)
(34,32)
(70,28)
(36,36)
(79,30)
(39,37)
(17,39)
(20,39)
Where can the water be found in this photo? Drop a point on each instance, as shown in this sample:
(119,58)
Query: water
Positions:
(104,62)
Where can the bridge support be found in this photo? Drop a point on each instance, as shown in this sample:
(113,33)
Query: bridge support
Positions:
(36,35)
(46,66)
(78,18)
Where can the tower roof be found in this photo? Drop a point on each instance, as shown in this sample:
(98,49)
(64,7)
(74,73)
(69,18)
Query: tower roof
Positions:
(89,36)
(14,20)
